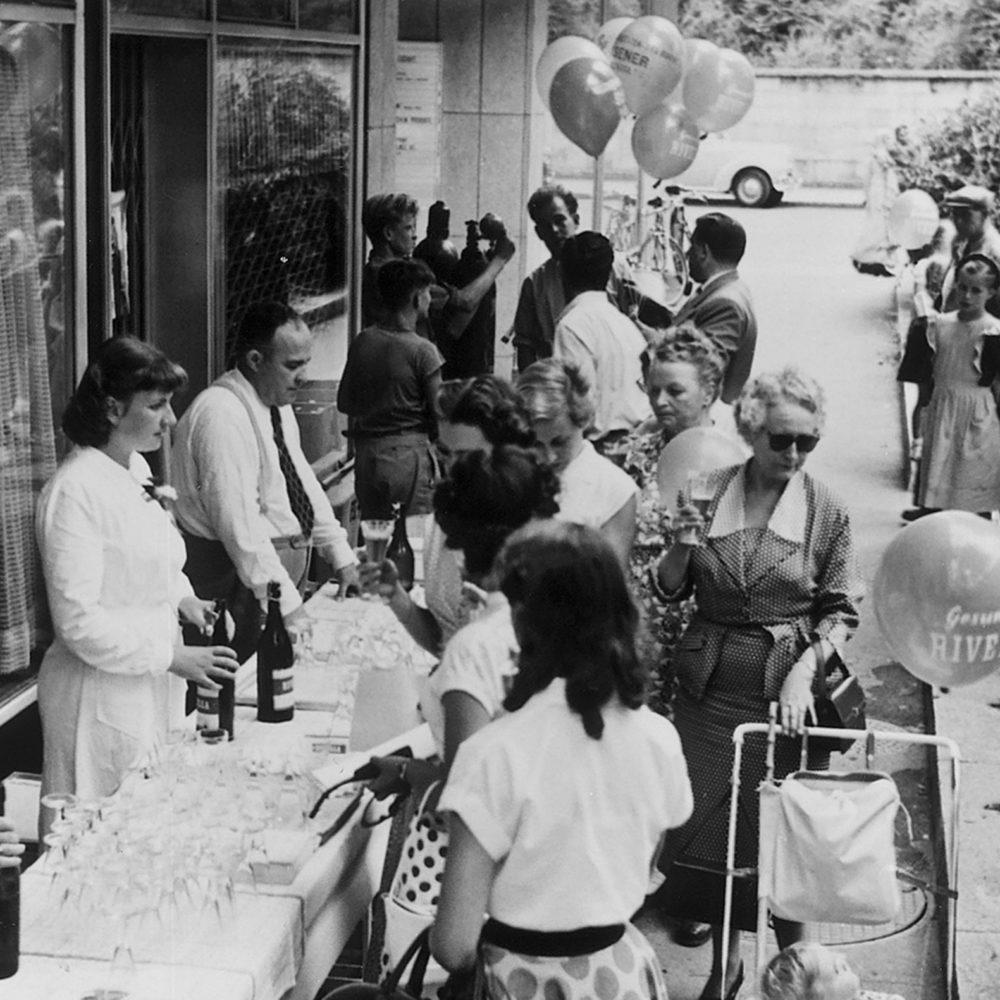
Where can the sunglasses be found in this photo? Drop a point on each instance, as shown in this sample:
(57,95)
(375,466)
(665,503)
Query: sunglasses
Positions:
(803,442)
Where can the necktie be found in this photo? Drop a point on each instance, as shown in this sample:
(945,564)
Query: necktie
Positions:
(302,507)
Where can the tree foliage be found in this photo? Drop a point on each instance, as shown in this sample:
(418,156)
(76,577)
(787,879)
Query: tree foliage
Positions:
(962,148)
(850,34)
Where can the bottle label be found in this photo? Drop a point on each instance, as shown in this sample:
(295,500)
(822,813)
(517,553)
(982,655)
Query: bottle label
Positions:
(284,694)
(207,707)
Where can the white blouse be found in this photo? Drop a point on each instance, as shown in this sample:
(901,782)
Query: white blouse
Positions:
(593,489)
(574,823)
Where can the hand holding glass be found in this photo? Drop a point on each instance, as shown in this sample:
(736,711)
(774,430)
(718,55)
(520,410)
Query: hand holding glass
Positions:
(700,495)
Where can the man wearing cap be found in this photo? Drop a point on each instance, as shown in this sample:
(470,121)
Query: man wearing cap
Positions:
(970,207)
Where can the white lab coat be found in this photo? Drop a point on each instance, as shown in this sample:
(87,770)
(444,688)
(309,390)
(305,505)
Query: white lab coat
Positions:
(113,562)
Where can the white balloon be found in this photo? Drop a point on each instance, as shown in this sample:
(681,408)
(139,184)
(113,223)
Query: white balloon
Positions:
(608,32)
(556,55)
(913,219)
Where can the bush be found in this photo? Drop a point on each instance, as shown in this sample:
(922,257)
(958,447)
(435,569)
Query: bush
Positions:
(963,148)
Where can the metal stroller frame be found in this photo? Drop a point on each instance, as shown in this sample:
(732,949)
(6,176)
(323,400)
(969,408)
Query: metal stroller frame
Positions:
(871,736)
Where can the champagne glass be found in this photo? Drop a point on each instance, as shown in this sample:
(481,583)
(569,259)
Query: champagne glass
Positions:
(378,534)
(701,494)
(58,802)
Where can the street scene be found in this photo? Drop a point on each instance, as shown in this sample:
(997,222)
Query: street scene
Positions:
(499,500)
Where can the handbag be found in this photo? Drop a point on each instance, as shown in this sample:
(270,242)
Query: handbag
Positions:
(827,847)
(389,988)
(411,901)
(838,703)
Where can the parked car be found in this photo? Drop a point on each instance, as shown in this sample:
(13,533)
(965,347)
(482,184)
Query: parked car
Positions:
(757,174)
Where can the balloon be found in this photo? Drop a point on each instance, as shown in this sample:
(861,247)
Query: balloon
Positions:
(648,56)
(665,141)
(586,103)
(609,32)
(913,219)
(702,79)
(698,449)
(38,57)
(937,598)
(734,88)
(557,55)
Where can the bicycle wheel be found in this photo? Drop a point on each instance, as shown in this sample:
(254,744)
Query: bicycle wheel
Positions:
(674,272)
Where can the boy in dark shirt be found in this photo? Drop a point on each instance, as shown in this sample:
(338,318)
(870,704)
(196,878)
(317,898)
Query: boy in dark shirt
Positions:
(389,387)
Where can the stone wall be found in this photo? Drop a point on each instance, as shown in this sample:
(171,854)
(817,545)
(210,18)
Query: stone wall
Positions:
(831,117)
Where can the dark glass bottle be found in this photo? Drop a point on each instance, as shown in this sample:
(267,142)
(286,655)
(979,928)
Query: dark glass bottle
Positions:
(227,691)
(400,551)
(275,657)
(10,920)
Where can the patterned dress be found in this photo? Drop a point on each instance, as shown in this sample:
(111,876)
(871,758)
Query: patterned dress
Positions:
(638,454)
(761,593)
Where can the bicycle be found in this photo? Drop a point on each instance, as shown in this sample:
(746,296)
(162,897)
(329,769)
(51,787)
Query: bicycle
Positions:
(663,251)
(622,223)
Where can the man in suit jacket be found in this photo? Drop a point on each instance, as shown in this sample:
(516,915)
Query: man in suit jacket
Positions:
(722,308)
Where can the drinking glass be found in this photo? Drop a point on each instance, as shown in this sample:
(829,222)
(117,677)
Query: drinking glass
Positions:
(378,534)
(700,491)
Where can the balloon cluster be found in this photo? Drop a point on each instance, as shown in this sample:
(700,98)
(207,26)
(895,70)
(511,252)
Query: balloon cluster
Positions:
(678,89)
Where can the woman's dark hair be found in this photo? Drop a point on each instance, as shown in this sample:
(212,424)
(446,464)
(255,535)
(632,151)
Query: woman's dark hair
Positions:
(491,404)
(485,497)
(120,367)
(574,618)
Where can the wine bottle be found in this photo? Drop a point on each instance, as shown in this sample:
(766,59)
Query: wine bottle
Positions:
(227,691)
(400,551)
(275,657)
(10,920)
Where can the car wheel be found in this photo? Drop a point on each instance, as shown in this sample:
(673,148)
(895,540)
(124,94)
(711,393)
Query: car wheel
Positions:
(752,188)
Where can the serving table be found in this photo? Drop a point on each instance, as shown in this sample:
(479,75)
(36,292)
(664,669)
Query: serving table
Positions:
(275,942)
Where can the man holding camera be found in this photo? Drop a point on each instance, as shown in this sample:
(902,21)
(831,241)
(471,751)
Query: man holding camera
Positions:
(390,223)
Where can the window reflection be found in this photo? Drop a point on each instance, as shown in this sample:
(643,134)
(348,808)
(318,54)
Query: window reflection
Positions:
(34,345)
(161,8)
(285,141)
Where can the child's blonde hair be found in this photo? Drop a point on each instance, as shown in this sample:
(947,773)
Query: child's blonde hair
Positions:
(793,973)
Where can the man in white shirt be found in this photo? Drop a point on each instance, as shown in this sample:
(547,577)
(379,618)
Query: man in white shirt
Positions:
(603,342)
(249,505)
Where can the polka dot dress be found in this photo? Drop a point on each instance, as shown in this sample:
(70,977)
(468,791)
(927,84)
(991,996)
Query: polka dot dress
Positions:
(628,970)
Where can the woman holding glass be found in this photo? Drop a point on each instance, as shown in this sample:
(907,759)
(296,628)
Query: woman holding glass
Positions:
(112,557)
(682,374)
(771,567)
(476,414)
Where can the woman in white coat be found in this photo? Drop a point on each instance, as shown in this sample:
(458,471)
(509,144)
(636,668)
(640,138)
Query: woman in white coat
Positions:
(113,677)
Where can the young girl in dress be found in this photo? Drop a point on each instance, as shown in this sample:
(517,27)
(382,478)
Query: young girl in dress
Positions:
(960,465)
(812,972)
(557,810)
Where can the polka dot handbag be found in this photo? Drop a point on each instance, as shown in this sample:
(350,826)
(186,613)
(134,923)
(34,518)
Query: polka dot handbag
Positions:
(412,899)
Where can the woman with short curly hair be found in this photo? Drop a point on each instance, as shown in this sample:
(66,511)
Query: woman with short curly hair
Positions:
(593,491)
(771,567)
(682,373)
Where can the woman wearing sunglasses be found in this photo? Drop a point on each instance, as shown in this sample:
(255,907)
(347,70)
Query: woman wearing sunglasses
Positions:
(772,569)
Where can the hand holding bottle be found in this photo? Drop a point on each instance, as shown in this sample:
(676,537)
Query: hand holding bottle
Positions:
(205,665)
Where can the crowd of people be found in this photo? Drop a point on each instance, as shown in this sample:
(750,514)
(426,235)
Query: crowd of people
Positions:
(596,651)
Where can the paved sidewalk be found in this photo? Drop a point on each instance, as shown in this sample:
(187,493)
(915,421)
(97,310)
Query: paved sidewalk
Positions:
(970,716)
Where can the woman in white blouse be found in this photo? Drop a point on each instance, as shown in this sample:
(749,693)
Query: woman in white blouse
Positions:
(594,491)
(113,560)
(557,810)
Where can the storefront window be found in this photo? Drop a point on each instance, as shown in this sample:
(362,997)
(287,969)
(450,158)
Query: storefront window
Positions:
(329,15)
(286,137)
(35,341)
(259,11)
(161,8)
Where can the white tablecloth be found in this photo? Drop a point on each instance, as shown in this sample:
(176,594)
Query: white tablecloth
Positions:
(279,941)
